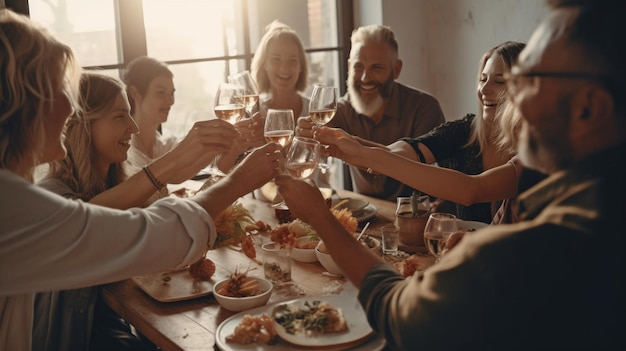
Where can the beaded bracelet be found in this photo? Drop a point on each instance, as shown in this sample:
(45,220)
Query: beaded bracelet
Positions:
(158,185)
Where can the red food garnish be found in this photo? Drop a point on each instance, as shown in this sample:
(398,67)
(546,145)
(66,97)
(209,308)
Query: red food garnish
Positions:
(202,269)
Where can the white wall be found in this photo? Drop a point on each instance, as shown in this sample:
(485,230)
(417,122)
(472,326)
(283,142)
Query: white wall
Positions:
(441,41)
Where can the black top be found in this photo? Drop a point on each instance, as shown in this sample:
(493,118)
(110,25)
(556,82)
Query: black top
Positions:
(448,144)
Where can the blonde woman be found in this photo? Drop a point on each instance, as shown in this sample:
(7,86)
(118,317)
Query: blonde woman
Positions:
(50,243)
(280,69)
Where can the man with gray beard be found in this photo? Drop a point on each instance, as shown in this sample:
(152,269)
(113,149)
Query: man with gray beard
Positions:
(377,108)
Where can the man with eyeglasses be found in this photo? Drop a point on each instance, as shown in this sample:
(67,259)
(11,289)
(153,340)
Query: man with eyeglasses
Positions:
(555,280)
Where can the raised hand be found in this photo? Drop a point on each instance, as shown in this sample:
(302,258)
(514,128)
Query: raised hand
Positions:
(251,130)
(340,144)
(302,197)
(304,127)
(259,167)
(205,140)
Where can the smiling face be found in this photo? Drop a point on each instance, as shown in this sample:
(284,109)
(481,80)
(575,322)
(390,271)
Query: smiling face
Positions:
(283,64)
(373,67)
(491,87)
(155,104)
(111,134)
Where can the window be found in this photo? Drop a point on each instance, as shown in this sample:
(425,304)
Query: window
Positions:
(203,41)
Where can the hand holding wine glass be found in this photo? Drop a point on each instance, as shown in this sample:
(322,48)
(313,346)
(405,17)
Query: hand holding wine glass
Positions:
(438,228)
(301,160)
(279,126)
(250,93)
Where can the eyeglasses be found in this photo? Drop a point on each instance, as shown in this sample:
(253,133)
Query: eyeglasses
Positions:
(515,80)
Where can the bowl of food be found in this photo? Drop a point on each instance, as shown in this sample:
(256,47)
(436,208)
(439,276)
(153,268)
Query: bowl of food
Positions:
(303,249)
(240,292)
(326,259)
(355,206)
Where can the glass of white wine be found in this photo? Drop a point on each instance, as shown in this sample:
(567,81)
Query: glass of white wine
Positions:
(437,230)
(279,126)
(302,159)
(322,109)
(227,109)
(250,94)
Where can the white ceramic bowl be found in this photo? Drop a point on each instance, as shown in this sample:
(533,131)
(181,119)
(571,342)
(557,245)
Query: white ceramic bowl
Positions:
(303,249)
(237,304)
(326,259)
(354,205)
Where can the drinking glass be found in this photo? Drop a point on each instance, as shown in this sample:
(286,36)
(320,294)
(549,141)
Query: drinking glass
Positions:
(227,108)
(279,126)
(302,159)
(438,228)
(390,235)
(322,109)
(250,95)
(276,263)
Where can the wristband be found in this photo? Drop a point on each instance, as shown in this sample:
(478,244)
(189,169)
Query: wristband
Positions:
(158,185)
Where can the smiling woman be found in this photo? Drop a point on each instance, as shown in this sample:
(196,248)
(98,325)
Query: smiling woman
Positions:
(96,139)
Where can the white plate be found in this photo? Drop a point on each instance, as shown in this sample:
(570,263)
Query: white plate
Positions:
(368,212)
(177,285)
(470,226)
(359,329)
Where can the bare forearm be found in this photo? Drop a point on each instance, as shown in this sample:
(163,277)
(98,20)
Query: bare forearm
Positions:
(216,198)
(133,192)
(442,182)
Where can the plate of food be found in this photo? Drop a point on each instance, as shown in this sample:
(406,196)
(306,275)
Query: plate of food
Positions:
(282,326)
(176,285)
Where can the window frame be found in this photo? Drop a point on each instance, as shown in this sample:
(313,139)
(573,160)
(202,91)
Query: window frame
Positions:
(131,36)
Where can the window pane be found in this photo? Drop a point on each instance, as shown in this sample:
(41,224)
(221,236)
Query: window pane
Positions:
(315,21)
(322,23)
(88,26)
(191,29)
(323,69)
(196,84)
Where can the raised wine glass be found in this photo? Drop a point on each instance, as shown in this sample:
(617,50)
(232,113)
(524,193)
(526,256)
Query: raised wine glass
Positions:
(322,109)
(227,108)
(301,160)
(250,96)
(438,228)
(279,126)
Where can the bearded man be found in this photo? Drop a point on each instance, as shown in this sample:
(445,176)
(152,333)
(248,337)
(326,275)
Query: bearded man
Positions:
(377,108)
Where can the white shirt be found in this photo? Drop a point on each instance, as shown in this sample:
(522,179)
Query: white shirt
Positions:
(51,243)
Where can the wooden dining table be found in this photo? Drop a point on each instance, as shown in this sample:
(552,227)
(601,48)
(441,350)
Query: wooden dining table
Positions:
(192,324)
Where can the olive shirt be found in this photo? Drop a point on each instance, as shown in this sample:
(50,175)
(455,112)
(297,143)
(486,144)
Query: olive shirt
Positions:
(447,143)
(553,281)
(409,113)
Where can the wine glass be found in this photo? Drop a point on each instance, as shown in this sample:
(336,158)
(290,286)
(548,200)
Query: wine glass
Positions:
(301,160)
(228,109)
(279,126)
(322,109)
(437,230)
(250,96)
